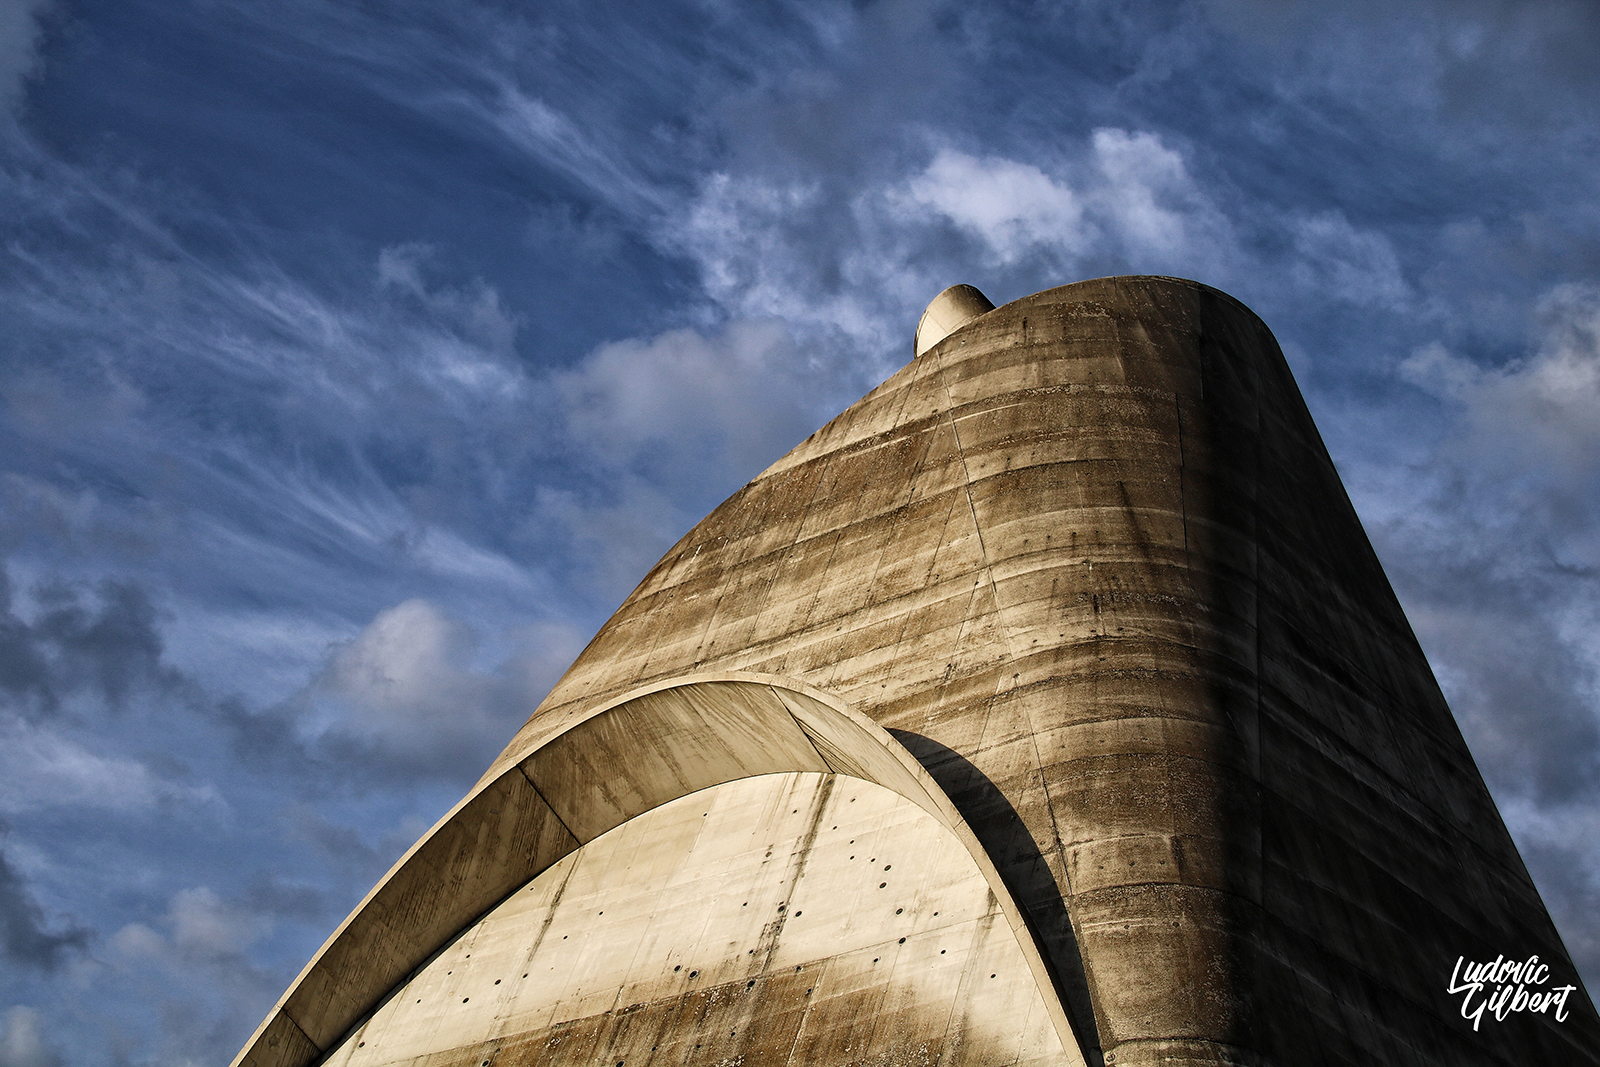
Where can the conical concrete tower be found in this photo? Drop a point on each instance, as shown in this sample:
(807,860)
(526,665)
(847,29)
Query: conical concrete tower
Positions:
(1049,705)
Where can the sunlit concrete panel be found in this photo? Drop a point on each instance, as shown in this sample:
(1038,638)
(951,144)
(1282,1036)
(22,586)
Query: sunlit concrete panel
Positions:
(796,918)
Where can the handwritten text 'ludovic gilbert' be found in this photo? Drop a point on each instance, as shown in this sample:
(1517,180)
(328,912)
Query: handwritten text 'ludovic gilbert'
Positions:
(1507,982)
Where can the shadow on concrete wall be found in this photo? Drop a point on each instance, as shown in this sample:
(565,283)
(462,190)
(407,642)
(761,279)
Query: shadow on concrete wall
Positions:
(1006,838)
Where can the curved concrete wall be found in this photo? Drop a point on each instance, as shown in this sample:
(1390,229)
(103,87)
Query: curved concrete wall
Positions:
(616,761)
(803,918)
(1087,559)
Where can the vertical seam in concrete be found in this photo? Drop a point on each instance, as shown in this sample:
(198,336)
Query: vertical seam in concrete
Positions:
(798,869)
(550,914)
(1183,493)
(905,616)
(983,561)
(994,591)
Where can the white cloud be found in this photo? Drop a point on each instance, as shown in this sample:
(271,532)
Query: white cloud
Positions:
(201,927)
(41,768)
(412,690)
(670,423)
(1538,414)
(1148,196)
(562,144)
(763,251)
(137,940)
(204,926)
(22,1041)
(408,675)
(446,553)
(738,398)
(1127,196)
(198,964)
(474,310)
(1011,206)
(1337,261)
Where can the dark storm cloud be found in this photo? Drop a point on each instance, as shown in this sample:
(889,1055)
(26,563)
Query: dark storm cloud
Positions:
(27,935)
(1561,861)
(1502,550)
(104,642)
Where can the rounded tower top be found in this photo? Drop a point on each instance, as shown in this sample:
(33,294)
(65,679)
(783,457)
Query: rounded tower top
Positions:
(949,311)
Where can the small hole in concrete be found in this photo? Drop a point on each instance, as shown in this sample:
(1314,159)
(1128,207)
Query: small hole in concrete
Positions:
(902,940)
(899,911)
(694,974)
(497,981)
(881,885)
(679,967)
(750,984)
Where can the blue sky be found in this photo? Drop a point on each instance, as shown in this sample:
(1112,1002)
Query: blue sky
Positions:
(357,359)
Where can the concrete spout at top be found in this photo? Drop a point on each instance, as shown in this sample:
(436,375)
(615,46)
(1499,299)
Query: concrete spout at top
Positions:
(949,311)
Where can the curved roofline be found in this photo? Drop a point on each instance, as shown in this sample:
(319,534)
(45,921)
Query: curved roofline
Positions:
(605,766)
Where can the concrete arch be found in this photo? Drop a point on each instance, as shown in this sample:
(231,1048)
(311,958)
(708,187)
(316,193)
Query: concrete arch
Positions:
(597,771)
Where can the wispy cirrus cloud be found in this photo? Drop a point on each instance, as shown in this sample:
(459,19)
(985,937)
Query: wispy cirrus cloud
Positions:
(372,360)
(19,43)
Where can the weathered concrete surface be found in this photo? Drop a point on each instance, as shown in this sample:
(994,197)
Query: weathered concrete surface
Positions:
(595,771)
(800,918)
(1087,558)
(1092,544)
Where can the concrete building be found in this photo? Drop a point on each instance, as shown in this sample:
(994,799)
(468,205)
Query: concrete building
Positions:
(1048,706)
